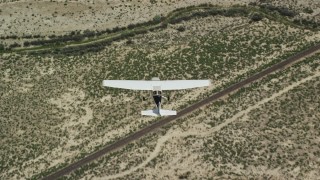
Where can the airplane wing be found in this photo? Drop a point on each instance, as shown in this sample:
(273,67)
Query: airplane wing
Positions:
(149,85)
(183,84)
(128,84)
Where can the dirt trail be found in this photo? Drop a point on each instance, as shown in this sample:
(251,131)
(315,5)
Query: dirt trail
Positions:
(118,144)
(174,133)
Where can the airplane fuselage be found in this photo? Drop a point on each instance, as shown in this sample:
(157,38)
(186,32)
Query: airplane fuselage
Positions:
(157,97)
(156,86)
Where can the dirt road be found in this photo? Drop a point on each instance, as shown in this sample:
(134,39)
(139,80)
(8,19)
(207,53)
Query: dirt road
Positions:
(116,145)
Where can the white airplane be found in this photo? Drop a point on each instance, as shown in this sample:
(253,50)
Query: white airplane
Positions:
(156,86)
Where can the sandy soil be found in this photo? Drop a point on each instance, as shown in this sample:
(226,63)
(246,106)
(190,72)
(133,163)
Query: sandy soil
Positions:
(174,134)
(79,122)
(30,17)
(60,17)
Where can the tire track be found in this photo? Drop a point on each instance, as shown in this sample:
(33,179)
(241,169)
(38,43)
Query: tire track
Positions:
(179,134)
(132,137)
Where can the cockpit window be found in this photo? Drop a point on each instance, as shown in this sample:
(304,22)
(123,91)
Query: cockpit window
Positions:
(159,92)
(154,92)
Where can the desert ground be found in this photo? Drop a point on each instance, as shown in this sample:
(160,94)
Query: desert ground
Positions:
(60,17)
(258,133)
(54,111)
(31,17)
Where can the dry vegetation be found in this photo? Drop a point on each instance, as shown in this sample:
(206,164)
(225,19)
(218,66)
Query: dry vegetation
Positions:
(267,130)
(62,16)
(54,111)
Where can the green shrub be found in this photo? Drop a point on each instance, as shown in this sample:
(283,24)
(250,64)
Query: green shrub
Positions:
(1,47)
(129,41)
(153,1)
(308,10)
(284,11)
(181,28)
(256,17)
(157,18)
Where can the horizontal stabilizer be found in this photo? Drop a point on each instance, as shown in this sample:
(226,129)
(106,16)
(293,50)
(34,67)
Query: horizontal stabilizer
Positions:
(164,112)
(155,112)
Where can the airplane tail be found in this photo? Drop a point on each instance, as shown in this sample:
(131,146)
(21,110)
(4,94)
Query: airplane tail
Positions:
(157,112)
(164,112)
